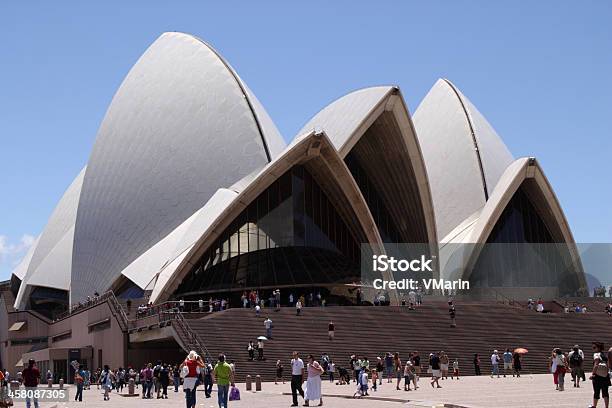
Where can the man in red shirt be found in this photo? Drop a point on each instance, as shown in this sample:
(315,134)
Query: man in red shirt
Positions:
(31,376)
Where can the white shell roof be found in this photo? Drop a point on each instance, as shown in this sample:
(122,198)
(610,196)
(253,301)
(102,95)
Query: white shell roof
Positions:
(456,142)
(341,118)
(22,268)
(51,260)
(150,263)
(181,126)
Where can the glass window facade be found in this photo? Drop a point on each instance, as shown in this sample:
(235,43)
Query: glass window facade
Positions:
(49,302)
(291,234)
(380,213)
(521,252)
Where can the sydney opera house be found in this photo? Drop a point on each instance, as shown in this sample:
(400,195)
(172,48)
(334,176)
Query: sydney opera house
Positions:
(190,191)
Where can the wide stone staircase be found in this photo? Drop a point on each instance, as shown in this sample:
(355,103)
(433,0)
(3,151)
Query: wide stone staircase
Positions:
(372,331)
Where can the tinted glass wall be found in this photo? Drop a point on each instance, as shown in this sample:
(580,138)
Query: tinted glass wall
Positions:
(291,234)
(380,213)
(521,252)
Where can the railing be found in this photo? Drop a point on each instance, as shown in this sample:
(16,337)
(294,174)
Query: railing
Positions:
(503,299)
(96,300)
(118,312)
(186,306)
(193,340)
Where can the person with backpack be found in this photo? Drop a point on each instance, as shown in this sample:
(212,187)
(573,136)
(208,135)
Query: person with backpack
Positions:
(106,381)
(495,364)
(208,380)
(576,360)
(600,375)
(156,380)
(164,380)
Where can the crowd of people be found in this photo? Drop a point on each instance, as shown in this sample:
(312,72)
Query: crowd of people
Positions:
(154,380)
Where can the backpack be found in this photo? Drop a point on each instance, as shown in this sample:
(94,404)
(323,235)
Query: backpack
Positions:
(575,359)
(156,371)
(602,368)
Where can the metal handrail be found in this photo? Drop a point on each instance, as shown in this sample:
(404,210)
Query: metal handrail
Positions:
(84,306)
(195,341)
(123,320)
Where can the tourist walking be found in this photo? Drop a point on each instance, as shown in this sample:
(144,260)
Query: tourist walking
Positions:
(146,375)
(397,365)
(561,368)
(455,369)
(208,379)
(79,381)
(298,307)
(30,376)
(331,369)
(191,371)
(106,381)
(409,375)
(279,372)
(251,351)
(552,365)
(434,363)
(224,376)
(176,377)
(297,378)
(313,383)
(389,367)
(268,326)
(444,363)
(379,369)
(260,349)
(477,364)
(495,364)
(374,378)
(164,380)
(331,330)
(576,364)
(507,357)
(416,361)
(601,374)
(517,365)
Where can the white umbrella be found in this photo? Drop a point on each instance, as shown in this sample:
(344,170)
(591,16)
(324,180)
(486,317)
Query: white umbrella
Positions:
(262,338)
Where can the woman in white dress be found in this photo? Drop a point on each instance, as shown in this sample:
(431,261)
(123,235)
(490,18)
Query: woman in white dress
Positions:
(313,384)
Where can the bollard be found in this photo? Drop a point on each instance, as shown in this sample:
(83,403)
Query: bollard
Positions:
(131,386)
(14,385)
(258,383)
(61,383)
(248,383)
(50,383)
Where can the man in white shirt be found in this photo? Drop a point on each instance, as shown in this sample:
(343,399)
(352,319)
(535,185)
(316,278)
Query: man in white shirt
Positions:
(268,325)
(297,377)
(495,364)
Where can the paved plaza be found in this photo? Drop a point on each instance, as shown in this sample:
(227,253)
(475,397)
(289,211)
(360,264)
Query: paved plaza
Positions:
(470,392)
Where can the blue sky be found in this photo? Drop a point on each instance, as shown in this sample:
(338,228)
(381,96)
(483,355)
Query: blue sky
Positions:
(539,71)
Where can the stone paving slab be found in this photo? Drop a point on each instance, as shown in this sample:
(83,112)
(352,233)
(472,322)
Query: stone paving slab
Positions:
(529,391)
